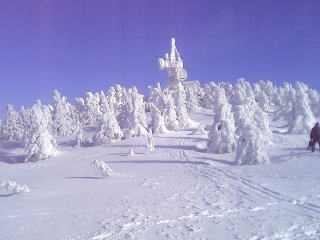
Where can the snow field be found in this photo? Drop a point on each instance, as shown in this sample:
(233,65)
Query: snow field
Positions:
(177,192)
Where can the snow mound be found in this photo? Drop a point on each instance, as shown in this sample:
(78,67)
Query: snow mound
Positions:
(13,186)
(103,167)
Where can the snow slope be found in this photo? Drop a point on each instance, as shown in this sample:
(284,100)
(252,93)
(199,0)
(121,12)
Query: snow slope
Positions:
(177,192)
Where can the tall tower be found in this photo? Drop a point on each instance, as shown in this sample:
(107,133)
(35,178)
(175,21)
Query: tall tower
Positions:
(174,64)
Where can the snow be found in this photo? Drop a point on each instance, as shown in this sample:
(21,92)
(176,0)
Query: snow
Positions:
(177,192)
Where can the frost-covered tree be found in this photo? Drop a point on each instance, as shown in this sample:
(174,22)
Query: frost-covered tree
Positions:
(109,130)
(301,118)
(182,114)
(169,111)
(314,100)
(251,148)
(79,137)
(157,123)
(39,142)
(155,96)
(221,138)
(150,141)
(286,97)
(249,117)
(64,122)
(209,94)
(92,108)
(261,97)
(193,101)
(270,91)
(12,125)
(138,124)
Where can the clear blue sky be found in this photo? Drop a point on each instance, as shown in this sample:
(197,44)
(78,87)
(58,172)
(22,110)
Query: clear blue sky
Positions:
(88,45)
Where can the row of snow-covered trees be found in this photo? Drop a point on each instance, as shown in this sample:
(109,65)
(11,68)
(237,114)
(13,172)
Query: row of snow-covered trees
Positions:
(119,113)
(240,119)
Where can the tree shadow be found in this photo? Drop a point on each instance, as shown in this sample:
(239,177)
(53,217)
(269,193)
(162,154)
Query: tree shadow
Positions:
(182,147)
(93,178)
(10,158)
(158,162)
(7,195)
(230,163)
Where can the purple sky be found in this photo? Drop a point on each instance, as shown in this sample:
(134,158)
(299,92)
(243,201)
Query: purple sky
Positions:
(89,45)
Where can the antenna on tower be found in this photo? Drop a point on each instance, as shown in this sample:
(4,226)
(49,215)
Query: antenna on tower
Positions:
(174,64)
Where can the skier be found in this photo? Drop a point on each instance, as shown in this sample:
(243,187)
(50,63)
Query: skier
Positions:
(314,136)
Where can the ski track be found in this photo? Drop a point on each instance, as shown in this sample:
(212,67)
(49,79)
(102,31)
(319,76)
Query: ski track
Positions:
(218,200)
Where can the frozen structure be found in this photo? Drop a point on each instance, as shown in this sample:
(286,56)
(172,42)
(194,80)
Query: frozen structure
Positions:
(174,64)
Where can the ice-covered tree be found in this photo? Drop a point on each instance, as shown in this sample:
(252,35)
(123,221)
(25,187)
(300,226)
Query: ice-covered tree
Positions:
(92,108)
(12,125)
(157,123)
(249,117)
(261,97)
(79,136)
(169,111)
(182,114)
(150,141)
(221,138)
(209,94)
(109,130)
(270,91)
(64,122)
(301,118)
(139,121)
(39,142)
(251,149)
(193,101)
(155,96)
(314,99)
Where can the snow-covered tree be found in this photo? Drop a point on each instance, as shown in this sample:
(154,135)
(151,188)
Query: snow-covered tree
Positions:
(249,117)
(181,108)
(314,100)
(64,122)
(209,94)
(92,108)
(222,135)
(40,144)
(270,91)
(251,148)
(301,118)
(155,96)
(138,124)
(12,125)
(169,111)
(79,137)
(193,101)
(261,97)
(109,130)
(157,123)
(150,141)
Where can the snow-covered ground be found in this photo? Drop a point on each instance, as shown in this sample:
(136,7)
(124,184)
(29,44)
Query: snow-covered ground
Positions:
(177,192)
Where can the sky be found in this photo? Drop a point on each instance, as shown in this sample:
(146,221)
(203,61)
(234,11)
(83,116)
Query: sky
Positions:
(78,46)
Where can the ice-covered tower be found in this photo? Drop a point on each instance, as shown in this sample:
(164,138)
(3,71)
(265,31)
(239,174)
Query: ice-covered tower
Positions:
(174,64)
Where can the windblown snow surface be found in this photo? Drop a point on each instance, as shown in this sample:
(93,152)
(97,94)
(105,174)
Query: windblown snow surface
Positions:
(177,192)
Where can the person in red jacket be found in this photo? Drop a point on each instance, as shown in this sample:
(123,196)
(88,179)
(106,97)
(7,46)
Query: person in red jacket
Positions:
(315,136)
